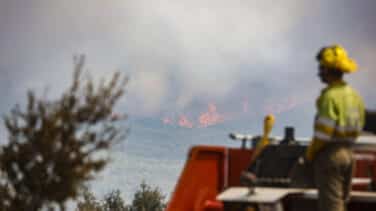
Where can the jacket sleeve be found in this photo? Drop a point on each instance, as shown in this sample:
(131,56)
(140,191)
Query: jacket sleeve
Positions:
(362,113)
(324,125)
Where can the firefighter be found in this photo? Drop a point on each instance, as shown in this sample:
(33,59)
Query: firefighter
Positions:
(338,122)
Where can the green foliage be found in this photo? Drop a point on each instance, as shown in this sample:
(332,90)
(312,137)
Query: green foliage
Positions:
(54,146)
(89,202)
(114,202)
(145,199)
(148,199)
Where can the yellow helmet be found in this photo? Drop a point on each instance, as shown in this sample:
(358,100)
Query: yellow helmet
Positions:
(335,57)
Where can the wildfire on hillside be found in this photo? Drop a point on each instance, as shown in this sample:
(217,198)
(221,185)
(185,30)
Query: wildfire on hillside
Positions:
(212,116)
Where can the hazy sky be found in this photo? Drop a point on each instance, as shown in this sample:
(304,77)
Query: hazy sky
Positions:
(240,57)
(183,54)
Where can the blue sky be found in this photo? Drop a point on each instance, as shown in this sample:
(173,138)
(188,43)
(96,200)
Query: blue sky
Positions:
(182,55)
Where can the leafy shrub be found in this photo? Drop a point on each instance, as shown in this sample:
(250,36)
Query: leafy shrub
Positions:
(145,199)
(113,202)
(148,199)
(89,202)
(53,145)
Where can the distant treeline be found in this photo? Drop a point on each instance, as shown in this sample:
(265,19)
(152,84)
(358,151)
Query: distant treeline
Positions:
(146,198)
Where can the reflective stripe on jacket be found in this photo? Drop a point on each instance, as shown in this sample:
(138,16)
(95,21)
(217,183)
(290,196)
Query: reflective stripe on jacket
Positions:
(340,114)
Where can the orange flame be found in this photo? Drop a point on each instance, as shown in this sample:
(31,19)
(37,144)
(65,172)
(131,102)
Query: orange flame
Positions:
(185,122)
(211,117)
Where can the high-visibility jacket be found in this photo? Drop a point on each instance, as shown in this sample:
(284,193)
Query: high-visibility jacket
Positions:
(340,117)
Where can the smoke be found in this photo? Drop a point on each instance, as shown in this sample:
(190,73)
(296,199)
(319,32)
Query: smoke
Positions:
(242,58)
(181,55)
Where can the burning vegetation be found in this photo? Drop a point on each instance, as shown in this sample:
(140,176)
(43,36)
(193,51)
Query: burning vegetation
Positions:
(212,116)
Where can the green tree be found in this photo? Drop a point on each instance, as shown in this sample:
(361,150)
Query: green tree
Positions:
(145,199)
(114,202)
(148,199)
(88,202)
(55,146)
